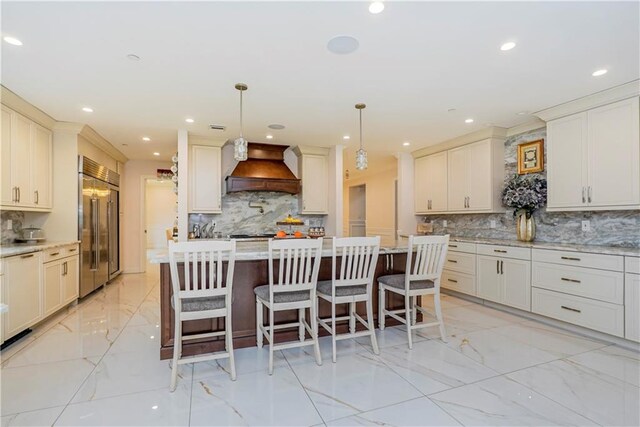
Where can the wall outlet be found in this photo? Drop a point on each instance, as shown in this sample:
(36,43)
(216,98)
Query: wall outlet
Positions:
(444,223)
(586,225)
(9,224)
(492,223)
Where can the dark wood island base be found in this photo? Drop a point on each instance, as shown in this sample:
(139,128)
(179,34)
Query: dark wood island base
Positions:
(248,275)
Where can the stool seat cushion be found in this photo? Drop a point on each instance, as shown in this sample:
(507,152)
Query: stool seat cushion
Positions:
(281,297)
(397,281)
(324,287)
(201,303)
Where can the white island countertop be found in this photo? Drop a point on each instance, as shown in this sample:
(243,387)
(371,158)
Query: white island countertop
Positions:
(12,249)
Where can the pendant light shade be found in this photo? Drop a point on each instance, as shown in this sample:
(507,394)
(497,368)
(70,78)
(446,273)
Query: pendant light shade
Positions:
(361,155)
(240,144)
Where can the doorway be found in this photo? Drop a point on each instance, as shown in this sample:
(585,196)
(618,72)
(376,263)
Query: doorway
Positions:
(358,210)
(159,213)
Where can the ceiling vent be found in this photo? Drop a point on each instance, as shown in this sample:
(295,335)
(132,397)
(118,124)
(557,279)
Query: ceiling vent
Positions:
(217,127)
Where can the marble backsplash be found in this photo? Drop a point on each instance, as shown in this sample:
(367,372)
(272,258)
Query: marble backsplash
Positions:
(238,217)
(608,228)
(17,219)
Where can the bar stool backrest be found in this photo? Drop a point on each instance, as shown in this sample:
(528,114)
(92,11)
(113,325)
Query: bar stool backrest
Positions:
(358,259)
(298,264)
(425,258)
(203,274)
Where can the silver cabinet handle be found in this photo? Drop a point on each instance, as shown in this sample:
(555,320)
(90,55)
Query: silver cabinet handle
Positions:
(453,261)
(27,256)
(584,199)
(453,246)
(18,194)
(54,254)
(589,195)
(497,266)
(570,258)
(565,279)
(37,196)
(502,267)
(500,251)
(571,309)
(452,280)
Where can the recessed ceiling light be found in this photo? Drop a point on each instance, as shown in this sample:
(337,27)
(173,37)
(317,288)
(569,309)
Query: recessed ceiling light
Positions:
(276,126)
(146,138)
(189,120)
(599,73)
(12,40)
(508,46)
(469,121)
(346,137)
(343,45)
(87,109)
(269,136)
(522,113)
(156,154)
(133,57)
(406,143)
(376,7)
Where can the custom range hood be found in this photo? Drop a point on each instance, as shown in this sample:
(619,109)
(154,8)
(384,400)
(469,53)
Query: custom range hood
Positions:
(264,170)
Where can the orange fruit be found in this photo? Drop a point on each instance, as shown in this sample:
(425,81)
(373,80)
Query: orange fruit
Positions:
(281,234)
(297,234)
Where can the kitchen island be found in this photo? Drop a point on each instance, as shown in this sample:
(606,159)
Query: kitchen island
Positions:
(251,270)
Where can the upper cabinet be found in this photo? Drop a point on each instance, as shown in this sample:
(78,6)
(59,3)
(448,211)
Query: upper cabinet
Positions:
(205,180)
(466,179)
(313,164)
(593,158)
(431,183)
(26,162)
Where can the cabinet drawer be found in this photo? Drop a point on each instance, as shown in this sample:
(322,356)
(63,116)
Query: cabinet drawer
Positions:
(55,254)
(460,282)
(505,251)
(598,315)
(632,265)
(462,247)
(602,285)
(461,262)
(580,259)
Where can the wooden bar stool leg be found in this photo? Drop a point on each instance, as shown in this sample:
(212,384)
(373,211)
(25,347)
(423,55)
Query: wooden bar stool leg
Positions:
(177,346)
(372,327)
(352,317)
(381,308)
(333,330)
(408,315)
(271,342)
(229,337)
(414,312)
(436,303)
(259,323)
(314,329)
(301,326)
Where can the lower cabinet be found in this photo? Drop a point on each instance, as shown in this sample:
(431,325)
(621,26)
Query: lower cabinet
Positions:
(459,272)
(60,283)
(632,299)
(505,281)
(22,292)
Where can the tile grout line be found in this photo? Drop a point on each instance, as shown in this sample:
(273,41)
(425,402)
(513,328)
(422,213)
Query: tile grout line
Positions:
(302,386)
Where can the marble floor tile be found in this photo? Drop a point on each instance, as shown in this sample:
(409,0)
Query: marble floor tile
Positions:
(553,340)
(142,339)
(499,352)
(253,399)
(603,399)
(40,417)
(356,383)
(248,360)
(303,355)
(501,401)
(390,337)
(148,314)
(476,317)
(44,385)
(416,412)
(432,367)
(613,360)
(125,373)
(150,408)
(446,302)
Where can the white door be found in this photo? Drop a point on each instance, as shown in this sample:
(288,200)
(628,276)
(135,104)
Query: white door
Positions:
(567,161)
(489,278)
(159,211)
(7,193)
(21,159)
(517,283)
(41,173)
(22,292)
(51,283)
(315,184)
(614,154)
(457,178)
(421,184)
(479,176)
(205,188)
(632,307)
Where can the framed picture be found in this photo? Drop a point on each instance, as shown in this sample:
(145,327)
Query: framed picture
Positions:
(531,157)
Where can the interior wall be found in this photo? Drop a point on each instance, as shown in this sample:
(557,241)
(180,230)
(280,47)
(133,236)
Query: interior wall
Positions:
(87,149)
(159,215)
(131,221)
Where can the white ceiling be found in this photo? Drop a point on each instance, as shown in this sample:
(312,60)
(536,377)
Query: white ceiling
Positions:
(415,61)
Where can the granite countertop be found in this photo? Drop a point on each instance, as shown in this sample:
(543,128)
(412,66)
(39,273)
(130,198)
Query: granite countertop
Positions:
(248,251)
(12,249)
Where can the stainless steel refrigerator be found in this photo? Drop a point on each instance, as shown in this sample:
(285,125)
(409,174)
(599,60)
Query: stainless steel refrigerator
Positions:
(98,224)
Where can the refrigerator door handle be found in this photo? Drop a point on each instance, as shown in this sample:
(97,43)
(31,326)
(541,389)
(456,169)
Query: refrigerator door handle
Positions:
(94,232)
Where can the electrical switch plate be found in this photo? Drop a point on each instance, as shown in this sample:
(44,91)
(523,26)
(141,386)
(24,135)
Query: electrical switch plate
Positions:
(9,224)
(586,225)
(493,223)
(444,223)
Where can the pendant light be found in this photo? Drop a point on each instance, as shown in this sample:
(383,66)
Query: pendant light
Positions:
(361,155)
(240,145)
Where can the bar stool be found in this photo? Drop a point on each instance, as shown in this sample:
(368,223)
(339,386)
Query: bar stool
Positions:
(353,283)
(201,294)
(294,289)
(422,277)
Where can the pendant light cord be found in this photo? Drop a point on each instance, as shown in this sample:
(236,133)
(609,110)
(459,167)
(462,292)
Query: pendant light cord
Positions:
(360,129)
(241,114)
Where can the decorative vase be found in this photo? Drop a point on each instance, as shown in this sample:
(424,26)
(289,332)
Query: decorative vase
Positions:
(525,226)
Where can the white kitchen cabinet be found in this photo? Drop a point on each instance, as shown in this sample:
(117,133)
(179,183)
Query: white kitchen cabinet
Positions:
(205,180)
(459,272)
(27,173)
(60,283)
(431,183)
(474,177)
(489,278)
(593,159)
(505,280)
(22,292)
(314,170)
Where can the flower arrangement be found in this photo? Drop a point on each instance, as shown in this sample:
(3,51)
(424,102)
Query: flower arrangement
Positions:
(525,192)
